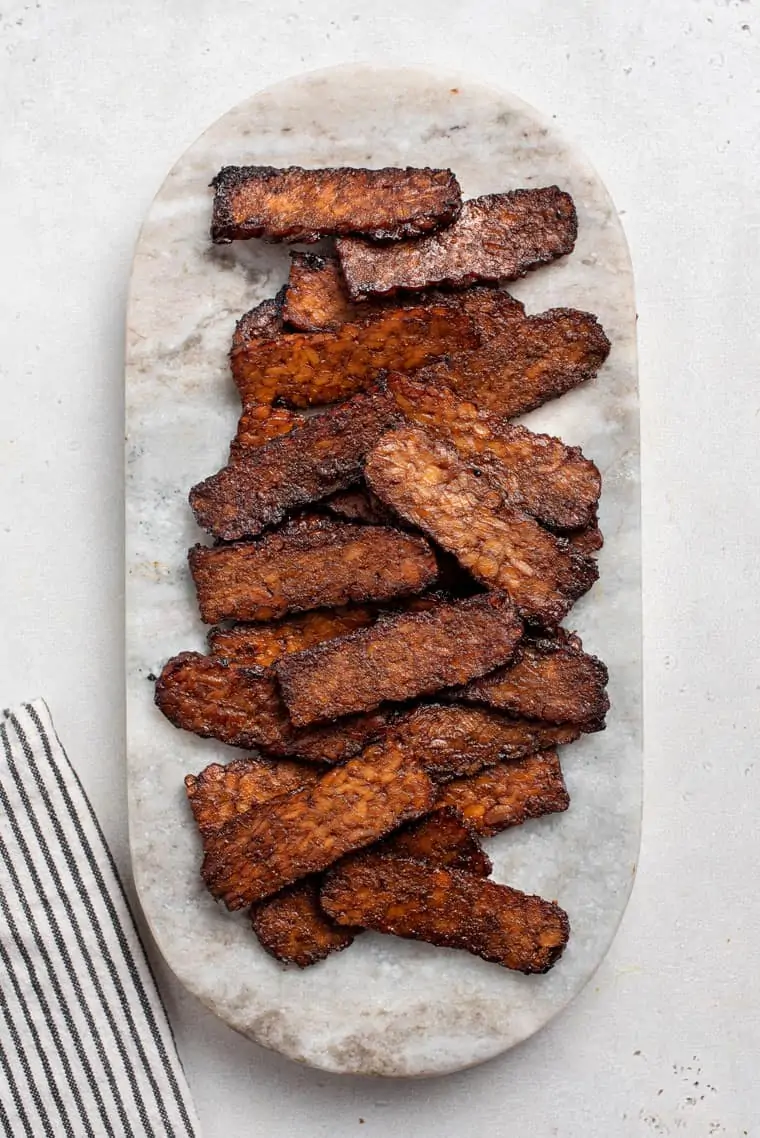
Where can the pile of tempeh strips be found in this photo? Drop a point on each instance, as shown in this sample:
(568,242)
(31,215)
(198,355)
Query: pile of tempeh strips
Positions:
(390,571)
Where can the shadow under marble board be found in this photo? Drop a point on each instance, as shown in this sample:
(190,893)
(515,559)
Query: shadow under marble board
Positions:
(386,1006)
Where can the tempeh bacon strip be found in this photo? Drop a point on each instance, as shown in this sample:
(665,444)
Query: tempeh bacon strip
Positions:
(508,794)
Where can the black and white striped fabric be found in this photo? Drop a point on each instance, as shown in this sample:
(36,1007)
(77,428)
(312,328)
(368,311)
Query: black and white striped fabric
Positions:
(86,1048)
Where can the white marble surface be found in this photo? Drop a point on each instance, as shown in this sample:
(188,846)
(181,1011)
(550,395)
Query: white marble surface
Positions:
(97,103)
(385,1007)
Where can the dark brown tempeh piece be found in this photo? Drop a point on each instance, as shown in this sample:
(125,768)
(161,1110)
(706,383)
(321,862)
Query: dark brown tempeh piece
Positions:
(240,705)
(588,540)
(223,790)
(537,473)
(497,237)
(305,565)
(509,794)
(316,298)
(427,483)
(399,657)
(447,907)
(548,680)
(302,369)
(523,361)
(262,644)
(294,204)
(322,456)
(260,323)
(349,807)
(357,504)
(442,838)
(259,424)
(454,740)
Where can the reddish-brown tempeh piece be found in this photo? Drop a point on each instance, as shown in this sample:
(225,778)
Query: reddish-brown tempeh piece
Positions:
(308,564)
(522,361)
(240,705)
(262,644)
(548,680)
(537,473)
(508,794)
(259,424)
(294,204)
(357,504)
(302,369)
(316,298)
(455,741)
(497,237)
(322,456)
(223,790)
(588,540)
(442,838)
(348,808)
(427,483)
(399,657)
(260,323)
(447,907)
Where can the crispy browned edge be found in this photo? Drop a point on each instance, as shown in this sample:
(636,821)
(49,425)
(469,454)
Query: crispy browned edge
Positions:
(399,657)
(509,793)
(449,908)
(262,644)
(222,791)
(421,200)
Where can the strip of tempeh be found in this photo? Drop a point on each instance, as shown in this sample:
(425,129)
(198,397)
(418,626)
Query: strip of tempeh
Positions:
(399,657)
(350,807)
(262,644)
(357,504)
(425,481)
(497,237)
(306,368)
(454,741)
(537,473)
(322,456)
(260,323)
(222,791)
(447,907)
(306,565)
(549,680)
(316,298)
(294,204)
(292,926)
(509,794)
(588,540)
(240,705)
(523,360)
(259,424)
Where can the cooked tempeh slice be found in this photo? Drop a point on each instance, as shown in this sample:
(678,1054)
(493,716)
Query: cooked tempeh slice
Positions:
(259,424)
(306,368)
(548,680)
(509,793)
(316,297)
(357,504)
(447,907)
(262,644)
(523,360)
(427,483)
(497,237)
(220,699)
(588,540)
(348,808)
(294,204)
(323,455)
(454,741)
(308,564)
(399,657)
(223,790)
(292,926)
(537,473)
(442,838)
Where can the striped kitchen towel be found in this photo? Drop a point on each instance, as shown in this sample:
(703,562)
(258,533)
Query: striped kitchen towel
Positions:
(86,1048)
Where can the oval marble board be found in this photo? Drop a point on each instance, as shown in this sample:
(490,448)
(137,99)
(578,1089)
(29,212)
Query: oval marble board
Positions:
(385,1006)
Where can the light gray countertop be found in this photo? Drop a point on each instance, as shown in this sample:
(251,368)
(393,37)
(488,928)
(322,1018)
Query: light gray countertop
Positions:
(97,101)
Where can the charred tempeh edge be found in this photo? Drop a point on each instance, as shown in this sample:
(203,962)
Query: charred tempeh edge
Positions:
(441,838)
(259,424)
(316,298)
(264,322)
(349,807)
(223,790)
(301,369)
(508,794)
(537,473)
(357,504)
(262,644)
(427,483)
(455,741)
(306,565)
(241,705)
(399,657)
(323,455)
(447,907)
(548,680)
(497,237)
(294,204)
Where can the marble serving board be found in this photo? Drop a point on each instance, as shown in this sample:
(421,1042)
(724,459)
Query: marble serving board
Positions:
(385,1006)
